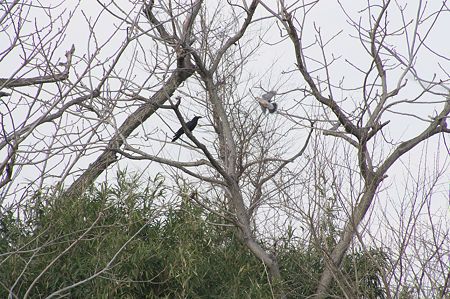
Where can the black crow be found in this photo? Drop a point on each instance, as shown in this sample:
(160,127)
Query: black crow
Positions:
(191,126)
(266,103)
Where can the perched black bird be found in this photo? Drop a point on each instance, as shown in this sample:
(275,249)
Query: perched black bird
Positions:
(191,126)
(266,103)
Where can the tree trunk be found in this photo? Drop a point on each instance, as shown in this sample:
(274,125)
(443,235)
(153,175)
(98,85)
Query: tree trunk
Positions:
(109,156)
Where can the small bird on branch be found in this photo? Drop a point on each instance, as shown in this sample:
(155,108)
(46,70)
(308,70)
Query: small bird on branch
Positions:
(265,101)
(190,125)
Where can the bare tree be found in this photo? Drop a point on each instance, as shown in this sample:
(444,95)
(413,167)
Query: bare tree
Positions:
(234,157)
(363,127)
(320,162)
(38,69)
(83,100)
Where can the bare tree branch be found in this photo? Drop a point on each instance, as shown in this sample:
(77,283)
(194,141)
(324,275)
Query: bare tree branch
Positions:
(56,77)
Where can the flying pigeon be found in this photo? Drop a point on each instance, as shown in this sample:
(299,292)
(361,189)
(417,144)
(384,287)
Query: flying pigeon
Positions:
(266,103)
(191,126)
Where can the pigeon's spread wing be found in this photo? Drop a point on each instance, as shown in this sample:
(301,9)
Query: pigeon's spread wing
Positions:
(268,96)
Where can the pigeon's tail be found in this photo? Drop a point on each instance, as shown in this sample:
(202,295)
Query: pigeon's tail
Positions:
(264,110)
(273,107)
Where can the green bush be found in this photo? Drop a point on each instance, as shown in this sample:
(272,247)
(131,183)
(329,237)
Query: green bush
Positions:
(118,241)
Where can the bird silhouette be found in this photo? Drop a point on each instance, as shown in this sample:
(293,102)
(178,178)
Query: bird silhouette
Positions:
(266,103)
(191,126)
